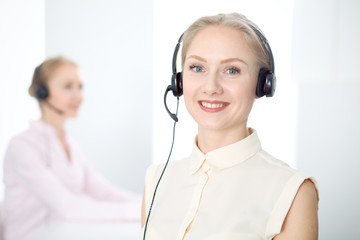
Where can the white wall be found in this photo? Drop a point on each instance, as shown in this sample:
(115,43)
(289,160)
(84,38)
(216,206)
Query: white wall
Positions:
(22,42)
(325,66)
(112,41)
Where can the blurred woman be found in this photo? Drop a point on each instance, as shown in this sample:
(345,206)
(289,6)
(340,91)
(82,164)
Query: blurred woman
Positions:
(46,176)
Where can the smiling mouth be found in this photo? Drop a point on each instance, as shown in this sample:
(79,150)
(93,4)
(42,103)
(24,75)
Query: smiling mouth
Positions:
(213,106)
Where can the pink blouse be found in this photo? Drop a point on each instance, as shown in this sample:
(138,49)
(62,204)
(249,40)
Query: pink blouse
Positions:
(42,185)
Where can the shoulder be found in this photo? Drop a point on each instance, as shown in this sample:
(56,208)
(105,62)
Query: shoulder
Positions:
(23,140)
(294,178)
(273,162)
(173,165)
(301,221)
(171,173)
(271,170)
(308,192)
(154,171)
(307,196)
(295,197)
(22,146)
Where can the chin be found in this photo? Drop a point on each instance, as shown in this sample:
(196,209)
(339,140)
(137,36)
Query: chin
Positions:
(211,125)
(72,114)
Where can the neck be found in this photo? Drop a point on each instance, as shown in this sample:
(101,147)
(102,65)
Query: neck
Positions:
(209,140)
(54,119)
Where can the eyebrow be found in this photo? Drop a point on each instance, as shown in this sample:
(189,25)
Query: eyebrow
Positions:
(222,62)
(197,57)
(233,60)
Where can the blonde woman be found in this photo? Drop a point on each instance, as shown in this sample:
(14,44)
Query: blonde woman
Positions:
(47,178)
(229,187)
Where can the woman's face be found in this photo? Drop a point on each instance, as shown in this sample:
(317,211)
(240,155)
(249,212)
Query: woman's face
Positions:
(219,79)
(65,89)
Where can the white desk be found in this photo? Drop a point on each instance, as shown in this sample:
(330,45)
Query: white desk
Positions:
(89,231)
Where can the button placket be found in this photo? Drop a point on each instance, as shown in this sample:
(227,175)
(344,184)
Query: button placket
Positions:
(196,201)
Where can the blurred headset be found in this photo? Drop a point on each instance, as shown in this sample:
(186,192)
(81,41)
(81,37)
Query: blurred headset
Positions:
(266,82)
(41,91)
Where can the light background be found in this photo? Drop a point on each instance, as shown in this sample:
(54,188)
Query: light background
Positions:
(125,50)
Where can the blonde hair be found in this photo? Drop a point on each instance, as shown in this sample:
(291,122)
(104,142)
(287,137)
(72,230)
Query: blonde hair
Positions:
(44,72)
(236,21)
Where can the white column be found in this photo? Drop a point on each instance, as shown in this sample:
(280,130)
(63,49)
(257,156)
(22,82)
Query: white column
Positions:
(22,47)
(325,66)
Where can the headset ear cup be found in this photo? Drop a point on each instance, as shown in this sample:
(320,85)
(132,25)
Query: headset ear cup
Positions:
(179,84)
(173,85)
(260,87)
(270,84)
(266,83)
(176,84)
(41,93)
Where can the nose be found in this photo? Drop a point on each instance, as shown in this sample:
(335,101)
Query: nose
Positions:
(78,94)
(212,84)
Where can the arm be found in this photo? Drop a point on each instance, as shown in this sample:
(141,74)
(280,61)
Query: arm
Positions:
(301,222)
(143,211)
(148,193)
(27,163)
(100,188)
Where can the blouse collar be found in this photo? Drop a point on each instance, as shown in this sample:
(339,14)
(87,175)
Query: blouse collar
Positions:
(227,156)
(44,127)
(41,125)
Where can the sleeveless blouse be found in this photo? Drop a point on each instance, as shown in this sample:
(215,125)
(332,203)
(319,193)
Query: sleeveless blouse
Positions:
(235,192)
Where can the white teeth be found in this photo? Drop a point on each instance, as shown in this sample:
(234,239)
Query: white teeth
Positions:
(214,105)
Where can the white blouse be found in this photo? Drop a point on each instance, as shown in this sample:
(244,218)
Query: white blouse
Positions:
(235,192)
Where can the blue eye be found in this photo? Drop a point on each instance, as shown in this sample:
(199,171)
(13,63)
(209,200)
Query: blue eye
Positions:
(232,70)
(196,68)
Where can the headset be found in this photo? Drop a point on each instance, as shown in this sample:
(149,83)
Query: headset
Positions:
(41,91)
(266,82)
